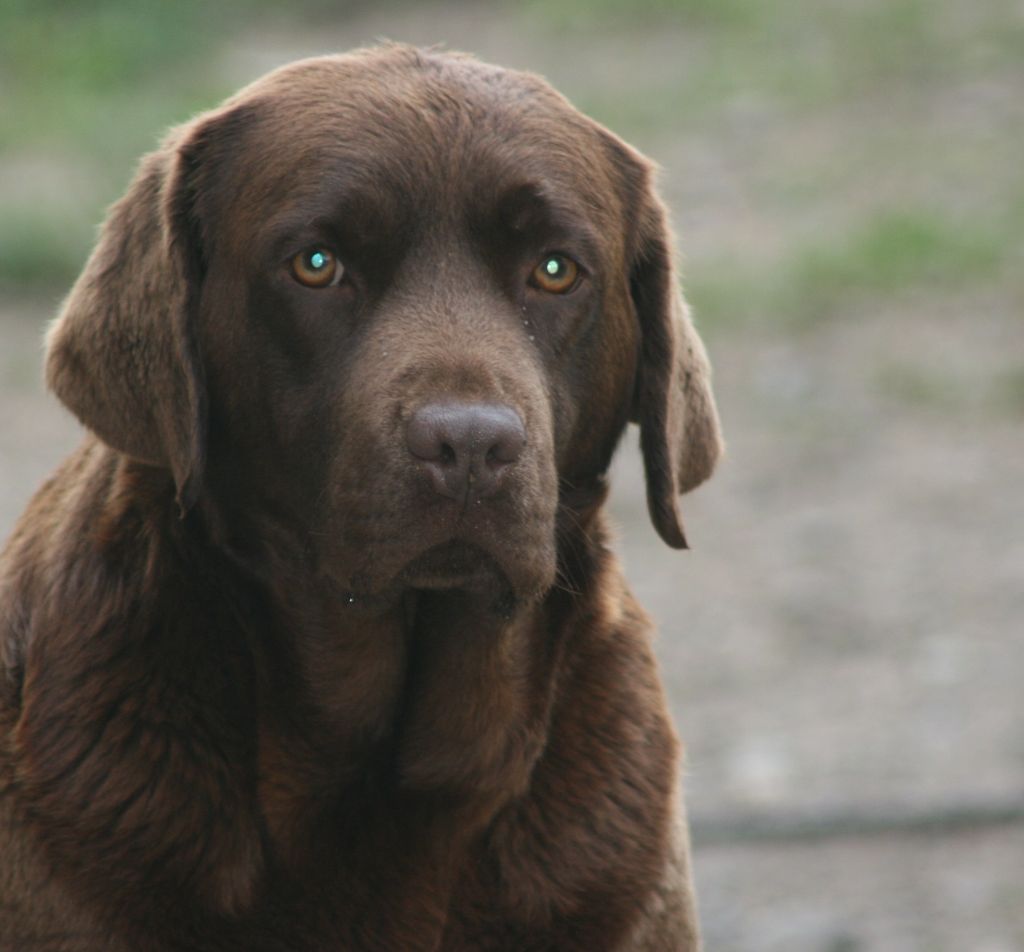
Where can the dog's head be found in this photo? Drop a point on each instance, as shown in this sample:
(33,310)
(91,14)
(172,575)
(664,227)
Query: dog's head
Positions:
(395,305)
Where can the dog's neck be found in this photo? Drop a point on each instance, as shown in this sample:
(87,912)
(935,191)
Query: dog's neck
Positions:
(363,709)
(356,701)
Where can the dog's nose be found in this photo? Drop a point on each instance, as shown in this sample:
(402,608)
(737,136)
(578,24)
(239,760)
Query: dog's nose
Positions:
(466,448)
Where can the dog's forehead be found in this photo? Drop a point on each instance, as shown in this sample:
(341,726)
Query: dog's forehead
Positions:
(396,90)
(415,122)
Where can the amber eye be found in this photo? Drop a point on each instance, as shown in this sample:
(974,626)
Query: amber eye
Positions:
(555,274)
(317,268)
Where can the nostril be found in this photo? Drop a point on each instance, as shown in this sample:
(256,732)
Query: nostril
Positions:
(427,437)
(509,446)
(465,446)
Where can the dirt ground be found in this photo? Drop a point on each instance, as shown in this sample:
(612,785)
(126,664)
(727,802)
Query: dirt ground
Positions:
(844,644)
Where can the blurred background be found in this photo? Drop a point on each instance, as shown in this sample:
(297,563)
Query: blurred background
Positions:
(844,644)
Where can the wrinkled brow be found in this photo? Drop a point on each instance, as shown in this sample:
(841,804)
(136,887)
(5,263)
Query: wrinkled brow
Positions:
(538,211)
(356,213)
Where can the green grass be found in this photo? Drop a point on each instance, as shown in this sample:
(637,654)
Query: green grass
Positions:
(40,251)
(588,14)
(92,85)
(1008,388)
(797,55)
(96,84)
(998,392)
(69,66)
(890,253)
(922,388)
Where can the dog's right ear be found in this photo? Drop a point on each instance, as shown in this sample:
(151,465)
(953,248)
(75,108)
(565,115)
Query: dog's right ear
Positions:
(123,354)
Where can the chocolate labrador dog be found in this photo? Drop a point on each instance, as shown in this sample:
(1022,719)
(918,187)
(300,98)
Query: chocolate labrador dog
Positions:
(316,642)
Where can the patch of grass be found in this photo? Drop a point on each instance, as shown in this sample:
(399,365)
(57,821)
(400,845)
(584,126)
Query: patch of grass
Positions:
(793,54)
(39,251)
(890,253)
(998,392)
(99,83)
(65,63)
(715,13)
(919,387)
(100,45)
(1008,390)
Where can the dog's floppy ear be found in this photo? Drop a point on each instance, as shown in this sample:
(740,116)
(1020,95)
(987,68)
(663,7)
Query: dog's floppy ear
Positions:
(123,353)
(679,432)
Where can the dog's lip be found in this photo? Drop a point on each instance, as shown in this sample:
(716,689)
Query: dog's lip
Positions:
(454,564)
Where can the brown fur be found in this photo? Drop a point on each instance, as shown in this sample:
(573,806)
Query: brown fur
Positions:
(262,688)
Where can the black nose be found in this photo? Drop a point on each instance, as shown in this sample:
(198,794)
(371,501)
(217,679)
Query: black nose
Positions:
(466,448)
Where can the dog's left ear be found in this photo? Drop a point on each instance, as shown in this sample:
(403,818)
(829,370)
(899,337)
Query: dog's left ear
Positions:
(672,400)
(123,354)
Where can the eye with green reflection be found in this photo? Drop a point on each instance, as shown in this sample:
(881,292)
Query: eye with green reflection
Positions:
(556,274)
(317,267)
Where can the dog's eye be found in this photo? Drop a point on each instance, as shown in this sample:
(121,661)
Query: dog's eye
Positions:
(317,268)
(556,274)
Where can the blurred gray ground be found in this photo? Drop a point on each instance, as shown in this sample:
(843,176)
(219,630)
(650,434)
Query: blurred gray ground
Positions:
(844,644)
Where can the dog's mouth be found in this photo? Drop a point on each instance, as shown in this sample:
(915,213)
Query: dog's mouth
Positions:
(455,565)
